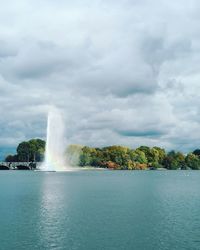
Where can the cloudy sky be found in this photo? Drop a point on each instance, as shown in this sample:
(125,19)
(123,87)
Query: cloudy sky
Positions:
(123,72)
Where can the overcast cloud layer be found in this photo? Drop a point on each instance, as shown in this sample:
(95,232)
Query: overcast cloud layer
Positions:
(123,72)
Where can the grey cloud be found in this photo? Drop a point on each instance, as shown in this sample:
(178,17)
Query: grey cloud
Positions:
(40,60)
(7,50)
(143,133)
(158,50)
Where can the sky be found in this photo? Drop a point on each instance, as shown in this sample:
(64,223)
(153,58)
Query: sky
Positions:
(123,72)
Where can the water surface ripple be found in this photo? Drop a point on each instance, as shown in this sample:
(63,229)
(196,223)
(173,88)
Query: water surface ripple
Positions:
(100,210)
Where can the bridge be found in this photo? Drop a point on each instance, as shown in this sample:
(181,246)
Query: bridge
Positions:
(18,165)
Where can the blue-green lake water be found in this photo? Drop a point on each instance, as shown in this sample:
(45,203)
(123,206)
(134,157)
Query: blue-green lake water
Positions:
(100,210)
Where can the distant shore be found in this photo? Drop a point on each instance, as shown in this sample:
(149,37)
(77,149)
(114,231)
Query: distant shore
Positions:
(110,157)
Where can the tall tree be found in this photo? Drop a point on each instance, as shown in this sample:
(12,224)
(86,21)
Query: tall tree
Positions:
(24,151)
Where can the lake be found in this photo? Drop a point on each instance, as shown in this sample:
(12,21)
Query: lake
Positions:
(100,210)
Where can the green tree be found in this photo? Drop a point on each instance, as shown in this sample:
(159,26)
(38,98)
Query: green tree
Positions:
(138,156)
(37,148)
(11,158)
(32,150)
(87,156)
(196,152)
(118,154)
(160,154)
(174,160)
(152,154)
(192,161)
(24,151)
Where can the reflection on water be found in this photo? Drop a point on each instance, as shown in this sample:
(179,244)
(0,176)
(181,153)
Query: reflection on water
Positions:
(53,211)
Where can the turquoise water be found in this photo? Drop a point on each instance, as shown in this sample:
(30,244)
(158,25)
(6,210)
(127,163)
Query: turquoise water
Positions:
(97,210)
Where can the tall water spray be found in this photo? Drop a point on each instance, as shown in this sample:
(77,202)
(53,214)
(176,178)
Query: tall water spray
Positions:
(54,151)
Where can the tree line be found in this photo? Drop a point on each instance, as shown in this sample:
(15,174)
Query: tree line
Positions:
(124,158)
(112,157)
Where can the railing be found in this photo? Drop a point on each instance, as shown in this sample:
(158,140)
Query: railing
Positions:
(19,165)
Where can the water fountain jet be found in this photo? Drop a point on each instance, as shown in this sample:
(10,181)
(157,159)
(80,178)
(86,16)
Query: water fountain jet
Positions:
(55,146)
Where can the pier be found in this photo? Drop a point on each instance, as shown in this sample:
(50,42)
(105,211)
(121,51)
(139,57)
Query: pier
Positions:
(18,165)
